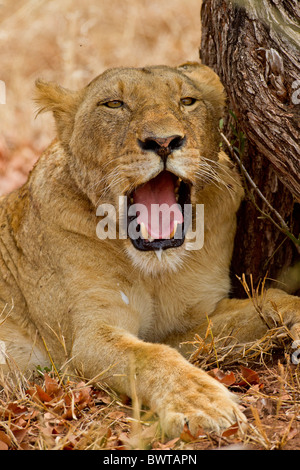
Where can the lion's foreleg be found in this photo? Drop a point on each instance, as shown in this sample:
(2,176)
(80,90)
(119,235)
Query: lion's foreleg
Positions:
(240,321)
(156,375)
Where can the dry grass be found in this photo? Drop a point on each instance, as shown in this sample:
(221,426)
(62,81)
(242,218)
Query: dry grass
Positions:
(52,410)
(48,413)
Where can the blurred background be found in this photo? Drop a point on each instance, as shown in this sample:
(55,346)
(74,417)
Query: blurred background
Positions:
(71,42)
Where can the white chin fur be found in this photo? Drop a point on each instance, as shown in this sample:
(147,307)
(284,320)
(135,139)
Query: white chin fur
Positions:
(153,263)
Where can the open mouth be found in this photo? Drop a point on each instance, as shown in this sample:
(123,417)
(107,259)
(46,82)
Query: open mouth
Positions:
(156,211)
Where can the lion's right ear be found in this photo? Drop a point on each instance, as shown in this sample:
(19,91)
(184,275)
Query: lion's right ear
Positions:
(208,82)
(62,102)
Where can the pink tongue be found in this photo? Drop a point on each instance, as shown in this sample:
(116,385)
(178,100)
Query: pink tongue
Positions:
(158,191)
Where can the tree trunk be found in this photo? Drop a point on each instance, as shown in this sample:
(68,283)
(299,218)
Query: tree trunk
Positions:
(253,45)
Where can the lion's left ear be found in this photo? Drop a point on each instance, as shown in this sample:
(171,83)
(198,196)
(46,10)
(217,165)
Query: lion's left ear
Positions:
(208,82)
(62,102)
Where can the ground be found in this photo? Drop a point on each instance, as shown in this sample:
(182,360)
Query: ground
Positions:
(71,42)
(52,412)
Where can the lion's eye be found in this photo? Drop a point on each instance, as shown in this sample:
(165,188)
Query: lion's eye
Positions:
(187,101)
(114,104)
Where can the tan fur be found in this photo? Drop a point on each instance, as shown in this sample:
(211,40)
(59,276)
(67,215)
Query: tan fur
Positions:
(102,305)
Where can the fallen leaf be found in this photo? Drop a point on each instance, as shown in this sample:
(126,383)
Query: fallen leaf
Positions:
(43,396)
(226,379)
(115,415)
(60,429)
(52,388)
(293,433)
(249,377)
(5,439)
(25,446)
(187,436)
(20,434)
(231,431)
(15,409)
(167,446)
(82,395)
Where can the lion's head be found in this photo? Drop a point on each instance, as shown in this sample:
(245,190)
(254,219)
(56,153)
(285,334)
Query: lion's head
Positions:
(149,134)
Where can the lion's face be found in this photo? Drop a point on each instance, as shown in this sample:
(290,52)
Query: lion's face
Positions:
(150,135)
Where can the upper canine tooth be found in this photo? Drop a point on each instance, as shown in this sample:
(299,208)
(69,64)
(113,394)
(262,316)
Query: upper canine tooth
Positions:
(174,229)
(144,231)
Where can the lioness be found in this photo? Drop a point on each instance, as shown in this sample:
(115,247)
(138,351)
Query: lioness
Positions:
(120,306)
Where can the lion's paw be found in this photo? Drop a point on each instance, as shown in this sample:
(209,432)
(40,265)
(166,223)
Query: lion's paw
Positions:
(205,404)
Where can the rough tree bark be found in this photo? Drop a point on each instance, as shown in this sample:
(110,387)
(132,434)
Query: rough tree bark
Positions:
(253,45)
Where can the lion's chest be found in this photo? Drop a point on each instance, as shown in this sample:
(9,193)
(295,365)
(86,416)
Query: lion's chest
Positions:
(165,308)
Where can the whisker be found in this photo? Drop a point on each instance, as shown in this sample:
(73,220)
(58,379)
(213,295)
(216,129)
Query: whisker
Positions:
(222,166)
(209,174)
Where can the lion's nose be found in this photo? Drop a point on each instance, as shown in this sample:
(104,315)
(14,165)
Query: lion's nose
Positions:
(162,146)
